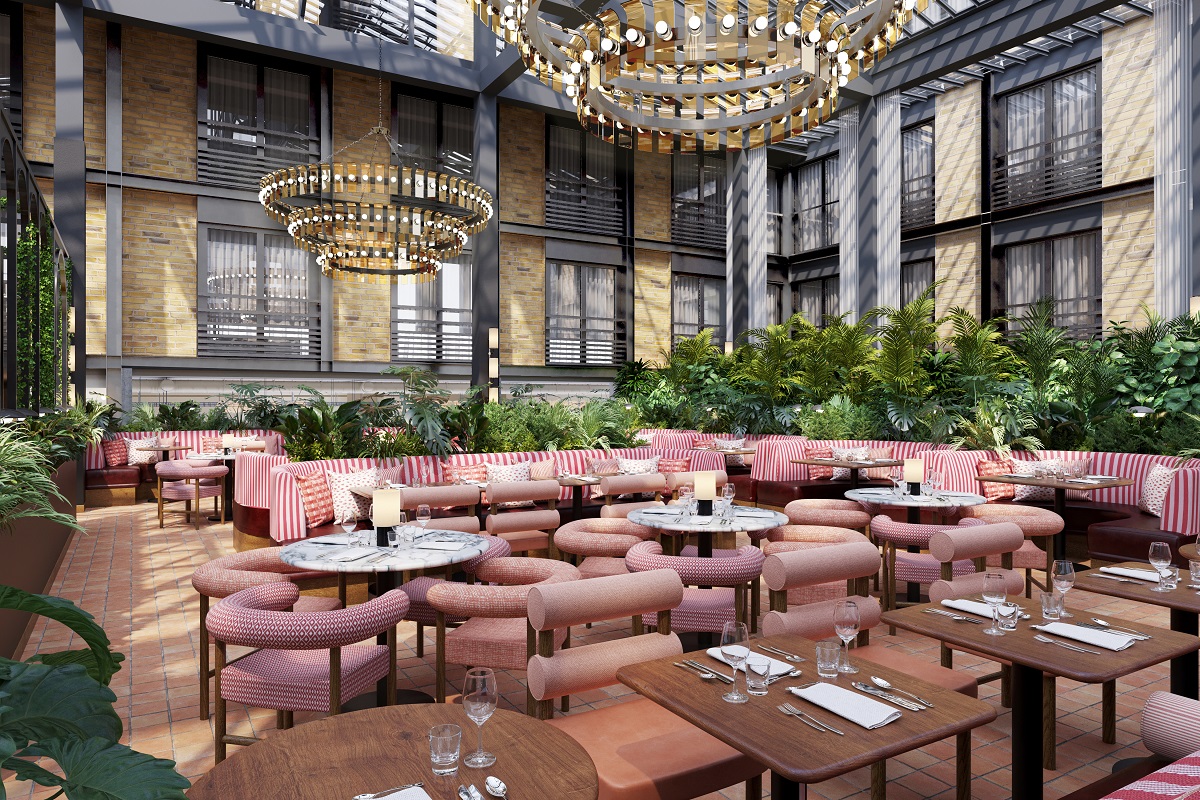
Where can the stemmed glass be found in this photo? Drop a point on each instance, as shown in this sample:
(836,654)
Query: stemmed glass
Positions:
(1160,559)
(1063,576)
(898,479)
(368,537)
(845,625)
(935,484)
(735,641)
(348,522)
(685,497)
(423,516)
(479,701)
(994,593)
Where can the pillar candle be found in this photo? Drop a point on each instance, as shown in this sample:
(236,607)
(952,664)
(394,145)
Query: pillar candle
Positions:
(914,470)
(706,486)
(387,509)
(227,441)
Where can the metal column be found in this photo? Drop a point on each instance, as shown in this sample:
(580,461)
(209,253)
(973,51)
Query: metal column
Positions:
(485,299)
(70,177)
(746,242)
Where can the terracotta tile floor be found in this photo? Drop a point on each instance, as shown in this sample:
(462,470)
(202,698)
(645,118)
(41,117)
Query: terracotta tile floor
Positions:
(135,579)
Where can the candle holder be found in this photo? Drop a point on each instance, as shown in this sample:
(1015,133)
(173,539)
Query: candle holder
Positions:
(704,508)
(914,488)
(381,535)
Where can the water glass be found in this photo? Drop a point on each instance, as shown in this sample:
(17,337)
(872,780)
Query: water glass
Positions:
(846,622)
(994,594)
(444,742)
(1007,615)
(758,670)
(1160,559)
(394,537)
(1194,574)
(1062,576)
(1168,577)
(829,658)
(1052,605)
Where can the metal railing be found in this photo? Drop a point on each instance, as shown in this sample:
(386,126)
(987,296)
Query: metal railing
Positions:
(698,223)
(433,339)
(582,341)
(244,326)
(579,205)
(1082,317)
(238,156)
(1062,166)
(917,202)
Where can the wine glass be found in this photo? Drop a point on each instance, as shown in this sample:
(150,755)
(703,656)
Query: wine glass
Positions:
(845,625)
(348,522)
(479,701)
(1160,559)
(897,476)
(368,536)
(994,593)
(935,483)
(735,640)
(423,516)
(1062,574)
(729,492)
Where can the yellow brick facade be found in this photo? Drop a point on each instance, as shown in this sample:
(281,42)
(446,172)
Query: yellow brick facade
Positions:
(159,95)
(97,277)
(1127,262)
(522,166)
(957,263)
(652,196)
(95,102)
(522,300)
(158,291)
(956,141)
(651,304)
(362,314)
(37,109)
(1126,106)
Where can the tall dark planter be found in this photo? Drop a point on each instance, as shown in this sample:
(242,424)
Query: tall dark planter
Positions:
(32,553)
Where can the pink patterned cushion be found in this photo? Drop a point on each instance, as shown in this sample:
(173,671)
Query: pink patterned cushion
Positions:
(729,571)
(458,473)
(543,470)
(137,452)
(116,452)
(345,501)
(815,471)
(316,498)
(1178,781)
(924,568)
(1154,489)
(880,454)
(507,473)
(180,490)
(995,491)
(298,680)
(848,454)
(673,465)
(419,609)
(490,642)
(703,610)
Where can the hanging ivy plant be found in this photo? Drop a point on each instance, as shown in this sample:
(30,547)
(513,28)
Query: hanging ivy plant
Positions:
(40,322)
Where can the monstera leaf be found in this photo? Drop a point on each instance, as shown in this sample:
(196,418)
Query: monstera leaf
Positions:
(43,702)
(103,663)
(99,769)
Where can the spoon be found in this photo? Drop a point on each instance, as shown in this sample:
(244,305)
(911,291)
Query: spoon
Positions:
(1130,631)
(887,686)
(704,675)
(496,787)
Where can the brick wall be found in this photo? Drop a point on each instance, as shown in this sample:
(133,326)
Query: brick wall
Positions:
(1127,262)
(355,111)
(956,261)
(522,300)
(159,94)
(95,103)
(1127,112)
(362,314)
(158,293)
(37,110)
(651,304)
(522,166)
(652,196)
(97,277)
(956,140)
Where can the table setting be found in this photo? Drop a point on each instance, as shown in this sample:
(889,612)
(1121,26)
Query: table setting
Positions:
(348,552)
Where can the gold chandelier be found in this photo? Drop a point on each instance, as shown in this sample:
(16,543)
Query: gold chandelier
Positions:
(658,76)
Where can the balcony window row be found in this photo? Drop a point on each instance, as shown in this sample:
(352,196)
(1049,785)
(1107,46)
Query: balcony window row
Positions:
(582,192)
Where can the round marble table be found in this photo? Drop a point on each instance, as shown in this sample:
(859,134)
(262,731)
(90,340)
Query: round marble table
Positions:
(745,520)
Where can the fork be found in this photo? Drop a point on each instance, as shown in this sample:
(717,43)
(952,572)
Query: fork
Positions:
(778,652)
(953,616)
(784,708)
(1048,640)
(788,708)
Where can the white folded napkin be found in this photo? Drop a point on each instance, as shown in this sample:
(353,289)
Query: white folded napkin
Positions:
(336,538)
(441,545)
(354,554)
(397,485)
(1102,477)
(970,606)
(671,511)
(777,667)
(859,709)
(877,491)
(1105,639)
(1128,572)
(413,793)
(476,483)
(745,511)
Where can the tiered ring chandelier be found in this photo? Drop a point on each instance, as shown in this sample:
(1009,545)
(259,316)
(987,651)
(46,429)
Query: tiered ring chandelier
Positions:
(374,221)
(662,75)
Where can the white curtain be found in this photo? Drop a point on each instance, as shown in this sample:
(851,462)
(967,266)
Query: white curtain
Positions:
(810,223)
(1024,127)
(286,112)
(458,140)
(1024,276)
(916,160)
(811,298)
(1072,280)
(416,132)
(286,291)
(685,305)
(564,172)
(232,105)
(231,282)
(1075,115)
(712,313)
(915,277)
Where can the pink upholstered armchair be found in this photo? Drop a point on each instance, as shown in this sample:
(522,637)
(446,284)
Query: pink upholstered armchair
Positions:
(902,566)
(230,574)
(291,673)
(828,513)
(1038,525)
(494,632)
(603,544)
(181,480)
(525,528)
(705,610)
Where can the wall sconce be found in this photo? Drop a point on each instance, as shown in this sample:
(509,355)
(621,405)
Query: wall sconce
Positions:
(493,365)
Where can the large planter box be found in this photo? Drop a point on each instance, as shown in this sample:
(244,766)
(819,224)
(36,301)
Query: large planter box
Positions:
(32,553)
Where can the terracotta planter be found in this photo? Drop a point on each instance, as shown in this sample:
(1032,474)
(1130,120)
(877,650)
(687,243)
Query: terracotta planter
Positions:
(32,553)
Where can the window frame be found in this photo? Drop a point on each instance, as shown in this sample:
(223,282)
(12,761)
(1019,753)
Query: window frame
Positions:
(718,328)
(440,102)
(581,216)
(921,211)
(706,225)
(16,60)
(439,344)
(797,298)
(831,236)
(617,342)
(914,263)
(1091,330)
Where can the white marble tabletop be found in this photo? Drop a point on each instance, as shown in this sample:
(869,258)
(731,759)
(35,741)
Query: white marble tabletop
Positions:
(675,518)
(888,497)
(319,553)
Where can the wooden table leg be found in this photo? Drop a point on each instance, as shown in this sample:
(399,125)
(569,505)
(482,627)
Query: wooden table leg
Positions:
(1108,711)
(1049,726)
(1184,679)
(784,789)
(754,788)
(879,780)
(1060,539)
(1027,718)
(962,766)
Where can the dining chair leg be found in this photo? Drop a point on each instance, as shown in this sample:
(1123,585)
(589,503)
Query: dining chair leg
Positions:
(160,503)
(755,603)
(219,727)
(196,520)
(440,660)
(879,780)
(223,510)
(1108,712)
(335,681)
(962,766)
(947,658)
(889,589)
(280,721)
(754,788)
(420,640)
(204,668)
(391,679)
(638,627)
(1049,724)
(342,588)
(739,603)
(1006,686)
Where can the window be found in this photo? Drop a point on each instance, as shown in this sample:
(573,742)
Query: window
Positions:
(698,200)
(1066,269)
(698,303)
(915,277)
(816,216)
(434,136)
(581,182)
(774,215)
(818,299)
(916,176)
(581,326)
(254,297)
(1050,140)
(431,321)
(253,119)
(775,315)
(440,26)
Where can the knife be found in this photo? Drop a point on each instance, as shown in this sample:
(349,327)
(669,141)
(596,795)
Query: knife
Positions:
(891,698)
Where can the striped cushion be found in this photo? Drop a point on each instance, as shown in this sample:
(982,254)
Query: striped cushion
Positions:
(252,478)
(316,498)
(116,453)
(995,491)
(878,454)
(459,473)
(815,471)
(545,470)
(1181,506)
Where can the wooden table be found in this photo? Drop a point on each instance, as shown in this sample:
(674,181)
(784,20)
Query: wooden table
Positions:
(369,751)
(168,449)
(1183,602)
(1035,662)
(577,482)
(1060,486)
(795,753)
(853,466)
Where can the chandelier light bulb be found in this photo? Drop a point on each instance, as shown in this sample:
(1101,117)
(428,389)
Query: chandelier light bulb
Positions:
(632,35)
(831,46)
(758,26)
(695,24)
(843,57)
(607,45)
(790,29)
(511,24)
(727,23)
(588,56)
(663,30)
(576,68)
